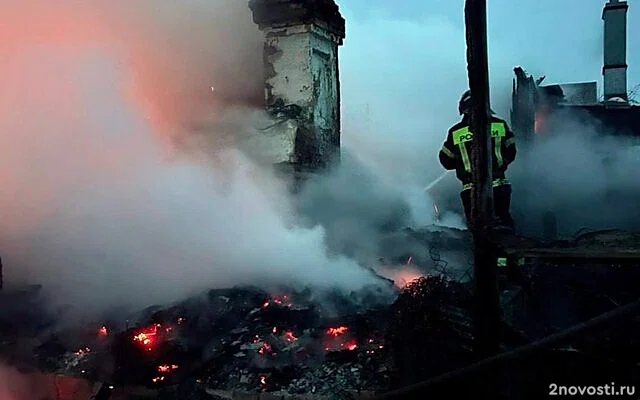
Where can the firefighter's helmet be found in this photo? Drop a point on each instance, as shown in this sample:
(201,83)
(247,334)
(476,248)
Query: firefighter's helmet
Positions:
(464,106)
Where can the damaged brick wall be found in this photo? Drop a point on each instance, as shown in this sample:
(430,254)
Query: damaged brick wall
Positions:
(302,88)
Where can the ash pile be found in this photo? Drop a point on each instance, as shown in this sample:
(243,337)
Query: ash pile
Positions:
(239,339)
(244,339)
(248,340)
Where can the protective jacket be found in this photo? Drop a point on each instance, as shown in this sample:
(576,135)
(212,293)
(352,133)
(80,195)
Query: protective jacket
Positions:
(456,151)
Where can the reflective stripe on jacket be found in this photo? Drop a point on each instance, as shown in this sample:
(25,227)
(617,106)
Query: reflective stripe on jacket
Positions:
(456,150)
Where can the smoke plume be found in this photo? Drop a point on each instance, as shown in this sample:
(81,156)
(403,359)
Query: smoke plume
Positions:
(579,171)
(394,124)
(402,71)
(99,204)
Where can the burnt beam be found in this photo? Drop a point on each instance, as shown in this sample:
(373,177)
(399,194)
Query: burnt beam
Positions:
(487,318)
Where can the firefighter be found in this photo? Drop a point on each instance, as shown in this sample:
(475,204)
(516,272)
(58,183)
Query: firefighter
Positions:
(456,155)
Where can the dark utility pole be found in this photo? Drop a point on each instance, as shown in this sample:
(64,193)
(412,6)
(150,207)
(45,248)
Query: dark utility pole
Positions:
(487,301)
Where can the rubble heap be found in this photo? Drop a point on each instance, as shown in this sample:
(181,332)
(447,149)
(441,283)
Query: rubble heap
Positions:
(245,339)
(240,339)
(431,329)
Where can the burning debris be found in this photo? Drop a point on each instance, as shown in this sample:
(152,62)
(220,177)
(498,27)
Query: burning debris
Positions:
(244,339)
(249,341)
(286,343)
(235,339)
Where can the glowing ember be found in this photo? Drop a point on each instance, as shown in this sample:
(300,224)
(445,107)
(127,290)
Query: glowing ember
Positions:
(274,330)
(82,352)
(341,330)
(103,331)
(289,336)
(265,349)
(180,320)
(351,345)
(158,379)
(147,336)
(163,369)
(281,300)
(263,380)
(278,300)
(410,260)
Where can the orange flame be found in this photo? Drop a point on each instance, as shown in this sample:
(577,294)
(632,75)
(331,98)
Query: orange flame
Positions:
(266,348)
(540,121)
(147,336)
(279,300)
(341,330)
(404,278)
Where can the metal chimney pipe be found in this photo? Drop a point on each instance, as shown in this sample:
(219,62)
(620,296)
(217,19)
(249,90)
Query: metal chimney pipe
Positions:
(614,70)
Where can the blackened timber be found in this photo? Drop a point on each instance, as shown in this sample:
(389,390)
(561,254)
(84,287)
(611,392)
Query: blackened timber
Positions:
(485,267)
(614,247)
(577,255)
(523,105)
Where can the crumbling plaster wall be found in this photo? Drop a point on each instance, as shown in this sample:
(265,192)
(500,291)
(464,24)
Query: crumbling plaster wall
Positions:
(302,89)
(301,84)
(287,70)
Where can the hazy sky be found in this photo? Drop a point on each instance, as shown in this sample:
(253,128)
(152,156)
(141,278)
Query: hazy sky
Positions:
(562,38)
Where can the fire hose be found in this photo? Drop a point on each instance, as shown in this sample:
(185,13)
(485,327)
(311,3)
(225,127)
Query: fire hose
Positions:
(419,389)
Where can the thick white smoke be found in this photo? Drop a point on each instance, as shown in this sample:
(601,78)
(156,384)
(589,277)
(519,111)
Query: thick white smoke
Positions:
(582,173)
(397,109)
(396,113)
(97,203)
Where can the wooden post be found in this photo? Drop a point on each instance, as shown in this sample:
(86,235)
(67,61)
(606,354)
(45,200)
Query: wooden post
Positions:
(485,257)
